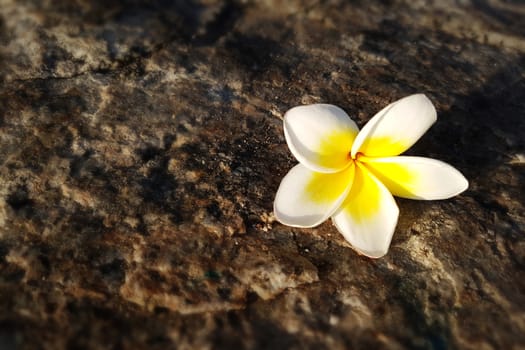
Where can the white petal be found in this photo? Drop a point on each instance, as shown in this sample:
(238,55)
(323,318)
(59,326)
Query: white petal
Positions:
(396,127)
(306,198)
(417,177)
(320,136)
(368,216)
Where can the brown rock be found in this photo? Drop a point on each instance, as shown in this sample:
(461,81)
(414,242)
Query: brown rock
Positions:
(141,146)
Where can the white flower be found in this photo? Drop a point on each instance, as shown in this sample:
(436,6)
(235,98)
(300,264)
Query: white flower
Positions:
(351,175)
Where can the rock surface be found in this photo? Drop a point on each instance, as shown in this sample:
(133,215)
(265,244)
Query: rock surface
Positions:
(141,145)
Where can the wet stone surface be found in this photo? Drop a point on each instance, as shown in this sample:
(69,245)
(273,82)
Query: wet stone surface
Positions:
(141,146)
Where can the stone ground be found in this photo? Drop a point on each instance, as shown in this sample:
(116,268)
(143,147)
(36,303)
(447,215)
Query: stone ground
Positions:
(141,146)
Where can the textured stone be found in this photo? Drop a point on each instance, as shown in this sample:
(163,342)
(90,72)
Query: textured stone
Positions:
(141,146)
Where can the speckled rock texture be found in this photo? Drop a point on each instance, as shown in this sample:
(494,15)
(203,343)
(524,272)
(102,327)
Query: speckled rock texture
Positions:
(141,146)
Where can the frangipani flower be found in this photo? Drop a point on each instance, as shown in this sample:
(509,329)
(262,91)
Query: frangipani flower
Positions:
(351,175)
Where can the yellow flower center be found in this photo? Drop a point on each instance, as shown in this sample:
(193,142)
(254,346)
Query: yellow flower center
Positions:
(363,200)
(326,188)
(357,156)
(331,150)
